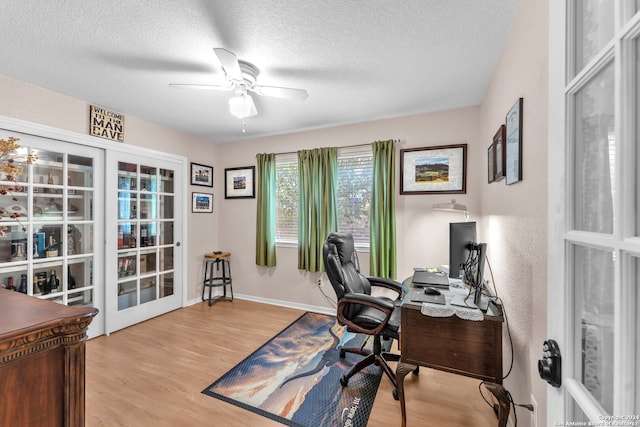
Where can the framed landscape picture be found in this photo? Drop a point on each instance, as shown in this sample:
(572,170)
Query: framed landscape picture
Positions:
(201,202)
(201,175)
(239,183)
(434,170)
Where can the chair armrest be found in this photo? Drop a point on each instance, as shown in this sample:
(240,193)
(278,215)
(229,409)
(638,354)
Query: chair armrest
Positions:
(386,283)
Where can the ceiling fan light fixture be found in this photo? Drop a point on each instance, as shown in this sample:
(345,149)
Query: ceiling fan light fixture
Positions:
(242,106)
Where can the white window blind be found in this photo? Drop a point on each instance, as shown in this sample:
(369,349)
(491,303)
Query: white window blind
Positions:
(286,199)
(355,169)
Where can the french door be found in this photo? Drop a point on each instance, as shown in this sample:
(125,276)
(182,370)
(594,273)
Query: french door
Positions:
(51,248)
(594,210)
(144,234)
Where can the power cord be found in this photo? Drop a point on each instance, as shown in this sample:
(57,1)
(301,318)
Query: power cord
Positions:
(504,314)
(527,406)
(327,297)
(506,320)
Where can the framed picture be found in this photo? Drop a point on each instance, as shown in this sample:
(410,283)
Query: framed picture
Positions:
(513,133)
(239,183)
(201,202)
(499,141)
(434,170)
(201,175)
(491,163)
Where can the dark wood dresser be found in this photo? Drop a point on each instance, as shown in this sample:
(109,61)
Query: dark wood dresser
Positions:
(42,357)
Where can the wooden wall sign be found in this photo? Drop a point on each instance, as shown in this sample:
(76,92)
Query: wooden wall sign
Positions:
(106,124)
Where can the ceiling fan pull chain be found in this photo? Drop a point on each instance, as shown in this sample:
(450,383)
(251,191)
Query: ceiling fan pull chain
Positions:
(244,126)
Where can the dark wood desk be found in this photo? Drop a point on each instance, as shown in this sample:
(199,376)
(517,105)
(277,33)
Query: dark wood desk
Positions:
(464,347)
(42,356)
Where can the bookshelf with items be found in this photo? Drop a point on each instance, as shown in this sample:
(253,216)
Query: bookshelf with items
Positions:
(47,250)
(145,234)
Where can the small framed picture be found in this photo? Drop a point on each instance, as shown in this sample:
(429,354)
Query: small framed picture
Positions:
(434,170)
(499,142)
(239,183)
(514,143)
(201,175)
(201,202)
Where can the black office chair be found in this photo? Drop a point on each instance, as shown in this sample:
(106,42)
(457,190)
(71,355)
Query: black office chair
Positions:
(358,309)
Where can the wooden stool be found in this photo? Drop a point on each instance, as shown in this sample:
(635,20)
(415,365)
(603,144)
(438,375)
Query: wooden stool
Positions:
(217,260)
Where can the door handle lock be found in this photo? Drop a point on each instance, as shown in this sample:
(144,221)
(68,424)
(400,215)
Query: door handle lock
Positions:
(550,366)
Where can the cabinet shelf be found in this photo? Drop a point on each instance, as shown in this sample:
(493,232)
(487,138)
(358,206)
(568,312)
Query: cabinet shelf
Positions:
(47,262)
(12,267)
(57,261)
(57,165)
(43,195)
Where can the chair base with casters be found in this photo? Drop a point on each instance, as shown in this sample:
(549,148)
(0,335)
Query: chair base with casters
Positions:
(377,356)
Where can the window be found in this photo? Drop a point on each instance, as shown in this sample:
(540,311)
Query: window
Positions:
(355,170)
(354,194)
(287,199)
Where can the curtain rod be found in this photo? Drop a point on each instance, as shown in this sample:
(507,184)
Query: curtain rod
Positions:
(344,146)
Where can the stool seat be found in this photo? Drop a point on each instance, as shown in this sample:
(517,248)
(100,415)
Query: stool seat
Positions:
(220,255)
(210,281)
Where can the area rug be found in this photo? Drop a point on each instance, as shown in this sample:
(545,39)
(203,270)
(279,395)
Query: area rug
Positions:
(295,377)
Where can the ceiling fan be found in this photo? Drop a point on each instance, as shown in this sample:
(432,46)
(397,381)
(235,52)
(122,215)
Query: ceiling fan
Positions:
(241,78)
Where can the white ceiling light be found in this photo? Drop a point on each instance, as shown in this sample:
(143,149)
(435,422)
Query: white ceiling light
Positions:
(242,105)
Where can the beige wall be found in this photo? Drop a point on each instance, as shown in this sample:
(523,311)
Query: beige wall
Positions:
(515,216)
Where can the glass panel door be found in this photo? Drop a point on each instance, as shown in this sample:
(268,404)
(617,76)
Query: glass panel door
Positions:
(593,272)
(145,239)
(145,234)
(593,216)
(48,249)
(595,154)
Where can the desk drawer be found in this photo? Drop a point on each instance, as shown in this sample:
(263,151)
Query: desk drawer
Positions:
(451,344)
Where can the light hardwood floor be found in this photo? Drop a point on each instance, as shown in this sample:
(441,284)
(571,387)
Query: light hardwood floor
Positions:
(152,374)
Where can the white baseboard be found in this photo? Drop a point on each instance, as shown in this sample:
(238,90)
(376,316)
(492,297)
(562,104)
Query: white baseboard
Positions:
(289,304)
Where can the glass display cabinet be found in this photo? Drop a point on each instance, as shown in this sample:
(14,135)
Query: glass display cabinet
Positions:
(48,245)
(145,238)
(93,224)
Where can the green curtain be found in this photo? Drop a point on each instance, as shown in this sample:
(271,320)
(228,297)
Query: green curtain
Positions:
(317,207)
(266,211)
(382,221)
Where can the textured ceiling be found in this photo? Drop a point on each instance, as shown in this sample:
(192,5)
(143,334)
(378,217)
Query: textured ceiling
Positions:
(359,60)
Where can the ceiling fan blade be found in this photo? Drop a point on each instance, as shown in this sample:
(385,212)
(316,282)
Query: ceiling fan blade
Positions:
(201,87)
(281,92)
(229,63)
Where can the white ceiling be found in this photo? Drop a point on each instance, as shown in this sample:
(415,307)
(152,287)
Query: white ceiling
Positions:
(359,60)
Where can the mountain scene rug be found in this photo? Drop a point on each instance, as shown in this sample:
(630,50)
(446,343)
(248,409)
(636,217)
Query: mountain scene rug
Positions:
(294,378)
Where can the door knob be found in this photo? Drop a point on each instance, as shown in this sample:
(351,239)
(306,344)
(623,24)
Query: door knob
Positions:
(550,366)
